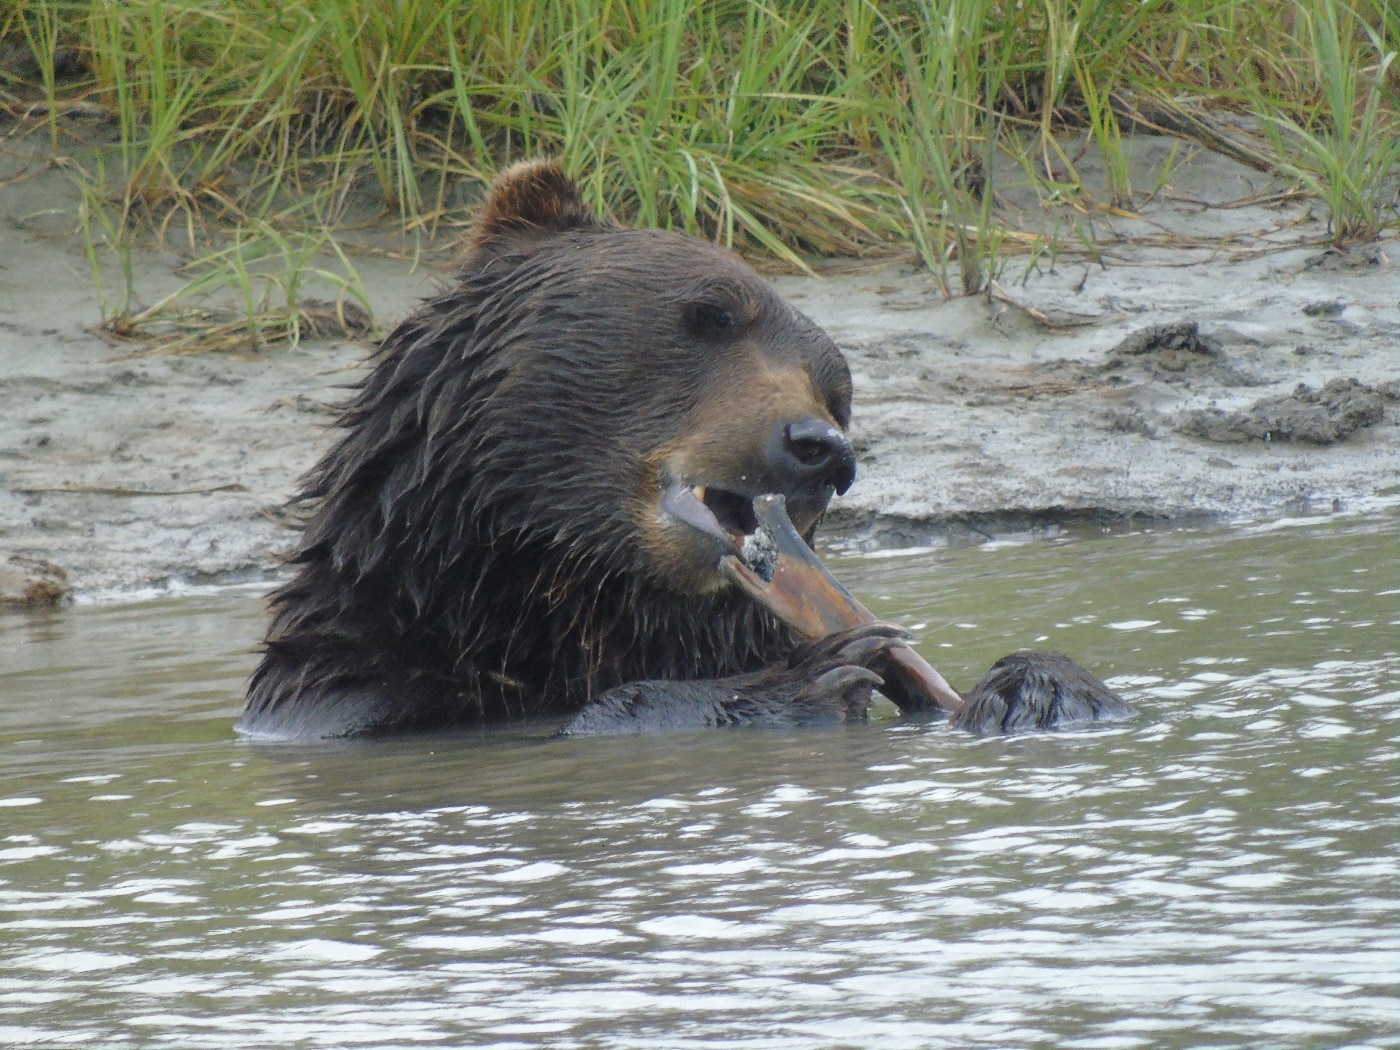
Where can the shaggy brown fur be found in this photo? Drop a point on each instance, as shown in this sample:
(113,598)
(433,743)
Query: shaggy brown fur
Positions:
(488,541)
(535,486)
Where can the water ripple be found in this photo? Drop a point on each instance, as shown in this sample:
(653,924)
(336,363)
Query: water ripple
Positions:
(1222,871)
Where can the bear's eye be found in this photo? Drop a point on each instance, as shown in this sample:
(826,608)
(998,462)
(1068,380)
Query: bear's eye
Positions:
(708,320)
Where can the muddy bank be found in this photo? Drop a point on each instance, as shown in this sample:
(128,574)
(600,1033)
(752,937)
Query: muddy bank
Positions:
(1213,360)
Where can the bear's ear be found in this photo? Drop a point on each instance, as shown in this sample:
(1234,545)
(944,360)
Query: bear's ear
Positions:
(530,198)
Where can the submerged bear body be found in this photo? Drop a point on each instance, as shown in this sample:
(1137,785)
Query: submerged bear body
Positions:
(536,481)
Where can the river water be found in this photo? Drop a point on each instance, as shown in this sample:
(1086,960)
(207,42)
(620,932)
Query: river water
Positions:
(1222,871)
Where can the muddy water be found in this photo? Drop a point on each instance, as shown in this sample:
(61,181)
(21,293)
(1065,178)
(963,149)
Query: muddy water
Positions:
(1222,871)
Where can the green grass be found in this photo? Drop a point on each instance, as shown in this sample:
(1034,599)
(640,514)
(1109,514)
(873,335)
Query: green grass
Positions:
(1344,144)
(261,131)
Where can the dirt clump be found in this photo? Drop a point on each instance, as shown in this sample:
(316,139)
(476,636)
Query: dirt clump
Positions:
(1176,352)
(1172,346)
(1306,416)
(31,583)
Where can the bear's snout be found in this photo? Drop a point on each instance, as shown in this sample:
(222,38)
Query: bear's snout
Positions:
(813,454)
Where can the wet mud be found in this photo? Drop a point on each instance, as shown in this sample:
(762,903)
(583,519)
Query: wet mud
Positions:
(1214,359)
(1313,417)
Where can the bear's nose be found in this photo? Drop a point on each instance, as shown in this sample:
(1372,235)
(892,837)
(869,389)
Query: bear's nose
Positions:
(813,452)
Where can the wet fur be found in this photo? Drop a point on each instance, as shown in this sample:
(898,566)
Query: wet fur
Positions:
(478,549)
(485,542)
(1032,689)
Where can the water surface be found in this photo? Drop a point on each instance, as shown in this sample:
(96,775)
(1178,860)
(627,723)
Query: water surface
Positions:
(1222,871)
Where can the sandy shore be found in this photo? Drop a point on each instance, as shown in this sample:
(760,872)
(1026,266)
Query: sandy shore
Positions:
(1216,360)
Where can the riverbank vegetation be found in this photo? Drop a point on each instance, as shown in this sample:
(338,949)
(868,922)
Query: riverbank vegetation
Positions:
(265,135)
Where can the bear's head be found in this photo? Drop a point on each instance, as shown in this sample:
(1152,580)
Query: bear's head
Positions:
(625,394)
(540,481)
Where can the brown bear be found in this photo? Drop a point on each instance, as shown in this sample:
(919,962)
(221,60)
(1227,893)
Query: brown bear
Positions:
(537,481)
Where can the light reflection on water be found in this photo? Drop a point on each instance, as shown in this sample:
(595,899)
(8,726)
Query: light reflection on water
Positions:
(1222,871)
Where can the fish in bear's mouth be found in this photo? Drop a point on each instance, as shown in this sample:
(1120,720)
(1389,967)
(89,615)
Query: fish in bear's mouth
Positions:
(769,561)
(726,516)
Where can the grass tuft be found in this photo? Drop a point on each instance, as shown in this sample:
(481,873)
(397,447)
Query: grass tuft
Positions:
(260,134)
(1344,146)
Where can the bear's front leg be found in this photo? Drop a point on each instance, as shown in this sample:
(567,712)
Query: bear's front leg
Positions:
(822,682)
(1033,689)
